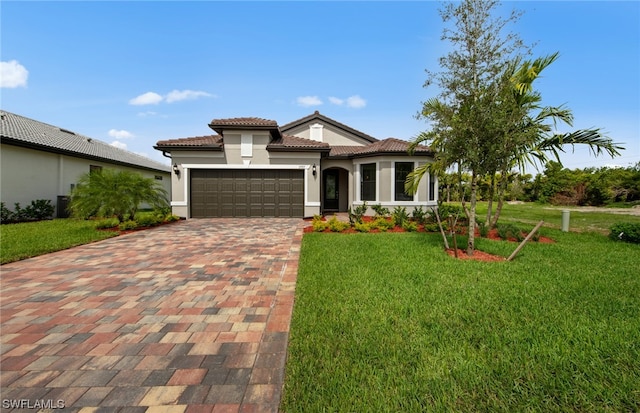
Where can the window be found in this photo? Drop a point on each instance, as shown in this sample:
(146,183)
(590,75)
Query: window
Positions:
(402,170)
(368,182)
(158,177)
(95,168)
(432,188)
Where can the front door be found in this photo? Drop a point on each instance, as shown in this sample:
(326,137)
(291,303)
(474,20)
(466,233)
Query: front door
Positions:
(331,186)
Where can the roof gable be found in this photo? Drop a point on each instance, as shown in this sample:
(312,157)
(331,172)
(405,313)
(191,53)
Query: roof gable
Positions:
(21,131)
(317,117)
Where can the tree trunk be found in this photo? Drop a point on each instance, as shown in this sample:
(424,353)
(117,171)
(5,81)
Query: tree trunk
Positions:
(501,190)
(492,191)
(472,216)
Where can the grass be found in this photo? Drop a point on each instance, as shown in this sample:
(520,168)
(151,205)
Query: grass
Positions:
(389,323)
(29,239)
(580,221)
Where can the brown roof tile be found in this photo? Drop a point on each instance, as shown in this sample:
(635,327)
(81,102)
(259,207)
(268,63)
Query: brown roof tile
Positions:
(319,116)
(294,142)
(249,122)
(209,142)
(389,145)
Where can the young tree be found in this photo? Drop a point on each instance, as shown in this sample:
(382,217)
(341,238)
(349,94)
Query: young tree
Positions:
(463,116)
(109,193)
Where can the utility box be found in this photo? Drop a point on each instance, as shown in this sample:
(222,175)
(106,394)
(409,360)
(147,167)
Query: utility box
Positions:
(63,203)
(565,220)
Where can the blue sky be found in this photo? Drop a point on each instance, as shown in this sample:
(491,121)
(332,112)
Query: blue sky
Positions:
(133,73)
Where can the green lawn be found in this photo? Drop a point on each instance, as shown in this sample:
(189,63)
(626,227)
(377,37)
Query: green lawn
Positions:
(389,323)
(580,221)
(24,240)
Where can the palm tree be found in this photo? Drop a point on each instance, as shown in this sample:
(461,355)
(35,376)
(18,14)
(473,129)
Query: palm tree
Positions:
(108,192)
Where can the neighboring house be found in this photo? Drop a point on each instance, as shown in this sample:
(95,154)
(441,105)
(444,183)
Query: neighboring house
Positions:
(41,161)
(314,165)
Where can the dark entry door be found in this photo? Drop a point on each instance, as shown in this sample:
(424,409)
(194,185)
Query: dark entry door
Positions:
(331,186)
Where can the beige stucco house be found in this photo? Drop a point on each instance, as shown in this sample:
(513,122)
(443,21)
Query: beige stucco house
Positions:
(254,167)
(41,161)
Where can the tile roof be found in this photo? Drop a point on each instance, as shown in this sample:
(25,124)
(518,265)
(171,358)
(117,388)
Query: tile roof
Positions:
(21,131)
(210,142)
(244,122)
(385,146)
(288,142)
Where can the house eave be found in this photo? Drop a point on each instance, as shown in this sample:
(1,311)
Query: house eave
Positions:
(5,140)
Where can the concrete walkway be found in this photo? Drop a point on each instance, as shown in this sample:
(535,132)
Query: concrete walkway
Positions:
(188,317)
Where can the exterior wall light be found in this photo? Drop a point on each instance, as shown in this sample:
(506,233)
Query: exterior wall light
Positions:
(176,170)
(313,170)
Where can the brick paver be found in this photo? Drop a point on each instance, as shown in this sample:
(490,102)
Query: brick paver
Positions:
(189,317)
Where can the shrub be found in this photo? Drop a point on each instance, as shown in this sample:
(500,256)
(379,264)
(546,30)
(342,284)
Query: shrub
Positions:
(107,223)
(382,224)
(355,215)
(399,216)
(127,225)
(410,226)
(625,231)
(362,227)
(318,224)
(483,229)
(337,226)
(148,220)
(38,210)
(419,215)
(380,210)
(506,231)
(433,227)
(171,218)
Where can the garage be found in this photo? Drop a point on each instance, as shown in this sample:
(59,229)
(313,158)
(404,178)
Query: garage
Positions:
(247,193)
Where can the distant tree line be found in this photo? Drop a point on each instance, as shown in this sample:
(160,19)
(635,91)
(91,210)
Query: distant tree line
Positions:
(555,185)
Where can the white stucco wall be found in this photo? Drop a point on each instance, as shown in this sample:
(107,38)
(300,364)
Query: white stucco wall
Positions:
(27,175)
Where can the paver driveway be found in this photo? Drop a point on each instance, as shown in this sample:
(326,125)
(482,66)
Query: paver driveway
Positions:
(189,317)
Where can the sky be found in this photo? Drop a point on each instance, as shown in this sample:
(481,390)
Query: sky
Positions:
(131,73)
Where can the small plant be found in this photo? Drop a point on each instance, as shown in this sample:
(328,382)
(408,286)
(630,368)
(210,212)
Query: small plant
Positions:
(419,215)
(127,225)
(148,220)
(483,229)
(337,226)
(382,224)
(380,210)
(171,218)
(625,231)
(355,215)
(107,223)
(362,227)
(399,215)
(410,226)
(39,210)
(506,231)
(433,227)
(318,224)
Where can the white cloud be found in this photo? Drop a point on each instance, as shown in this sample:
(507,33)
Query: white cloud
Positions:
(120,134)
(13,74)
(153,98)
(178,95)
(308,101)
(356,102)
(336,101)
(147,113)
(119,145)
(149,98)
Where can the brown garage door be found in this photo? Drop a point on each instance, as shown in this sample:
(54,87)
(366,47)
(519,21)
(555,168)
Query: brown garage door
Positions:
(247,193)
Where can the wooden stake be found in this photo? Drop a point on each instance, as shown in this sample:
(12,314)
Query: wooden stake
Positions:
(533,231)
(444,237)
